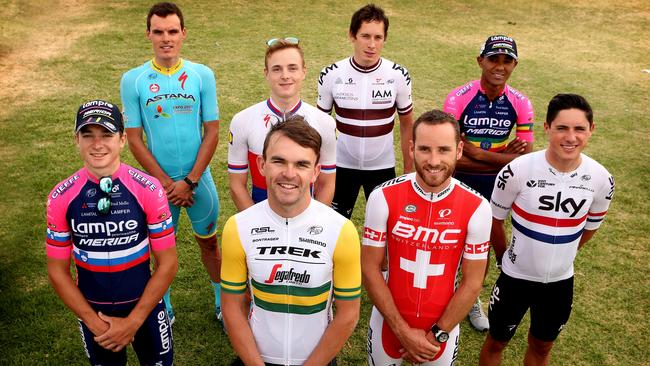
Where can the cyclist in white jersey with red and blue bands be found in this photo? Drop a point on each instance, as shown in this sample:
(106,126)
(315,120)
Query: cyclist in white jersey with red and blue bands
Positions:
(284,70)
(557,198)
(365,90)
(174,101)
(110,217)
(425,222)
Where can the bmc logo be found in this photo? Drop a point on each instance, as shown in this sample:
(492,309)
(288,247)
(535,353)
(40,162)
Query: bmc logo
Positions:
(557,204)
(425,234)
(504,176)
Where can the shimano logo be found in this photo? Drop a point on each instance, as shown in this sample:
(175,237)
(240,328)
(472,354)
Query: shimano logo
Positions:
(425,234)
(107,227)
(487,122)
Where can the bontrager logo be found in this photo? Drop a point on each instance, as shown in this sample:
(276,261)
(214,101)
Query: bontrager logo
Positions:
(425,234)
(107,227)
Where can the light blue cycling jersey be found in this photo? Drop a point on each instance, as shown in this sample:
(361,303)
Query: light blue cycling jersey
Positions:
(171,104)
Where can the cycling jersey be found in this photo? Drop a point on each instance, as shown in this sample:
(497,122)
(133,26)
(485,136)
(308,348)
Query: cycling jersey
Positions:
(248,130)
(550,210)
(111,252)
(487,123)
(365,101)
(425,234)
(170,104)
(293,266)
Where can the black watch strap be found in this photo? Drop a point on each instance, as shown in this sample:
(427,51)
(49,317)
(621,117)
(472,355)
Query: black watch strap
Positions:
(440,335)
(190,183)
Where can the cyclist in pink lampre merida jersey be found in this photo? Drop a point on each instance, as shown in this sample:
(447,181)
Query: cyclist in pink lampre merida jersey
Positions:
(109,218)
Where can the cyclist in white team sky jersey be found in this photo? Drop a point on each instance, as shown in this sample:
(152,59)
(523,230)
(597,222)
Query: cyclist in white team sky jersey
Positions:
(557,198)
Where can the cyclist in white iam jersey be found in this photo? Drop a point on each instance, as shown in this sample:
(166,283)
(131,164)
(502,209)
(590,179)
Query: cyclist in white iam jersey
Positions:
(365,90)
(557,198)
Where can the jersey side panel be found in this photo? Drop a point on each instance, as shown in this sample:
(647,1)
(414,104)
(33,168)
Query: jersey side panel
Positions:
(347,264)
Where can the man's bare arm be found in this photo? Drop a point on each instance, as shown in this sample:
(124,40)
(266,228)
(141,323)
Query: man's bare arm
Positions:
(239,331)
(498,239)
(406,135)
(324,188)
(239,191)
(337,332)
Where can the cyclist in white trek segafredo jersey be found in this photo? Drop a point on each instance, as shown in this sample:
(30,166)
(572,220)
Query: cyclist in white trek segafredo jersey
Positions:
(557,198)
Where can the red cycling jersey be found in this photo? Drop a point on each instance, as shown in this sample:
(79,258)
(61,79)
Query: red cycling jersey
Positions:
(426,234)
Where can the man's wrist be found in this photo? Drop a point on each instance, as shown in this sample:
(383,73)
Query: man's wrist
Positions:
(192,184)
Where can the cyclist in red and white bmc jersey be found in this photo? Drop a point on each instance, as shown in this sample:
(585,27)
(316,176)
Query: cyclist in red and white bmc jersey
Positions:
(365,91)
(557,199)
(426,222)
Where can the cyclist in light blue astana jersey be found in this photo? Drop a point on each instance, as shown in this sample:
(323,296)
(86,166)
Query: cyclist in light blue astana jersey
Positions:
(174,101)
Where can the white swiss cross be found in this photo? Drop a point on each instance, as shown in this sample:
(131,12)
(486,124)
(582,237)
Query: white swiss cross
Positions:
(421,268)
(371,234)
(482,248)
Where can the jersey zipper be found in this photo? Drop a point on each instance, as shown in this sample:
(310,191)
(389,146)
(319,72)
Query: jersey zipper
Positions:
(430,206)
(287,318)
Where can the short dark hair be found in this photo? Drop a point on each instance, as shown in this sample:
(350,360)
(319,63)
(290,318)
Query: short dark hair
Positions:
(163,10)
(280,45)
(437,117)
(561,102)
(297,130)
(369,13)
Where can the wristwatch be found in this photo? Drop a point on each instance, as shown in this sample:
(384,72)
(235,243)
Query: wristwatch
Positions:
(190,183)
(440,335)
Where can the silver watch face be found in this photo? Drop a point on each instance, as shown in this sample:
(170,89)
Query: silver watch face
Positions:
(442,337)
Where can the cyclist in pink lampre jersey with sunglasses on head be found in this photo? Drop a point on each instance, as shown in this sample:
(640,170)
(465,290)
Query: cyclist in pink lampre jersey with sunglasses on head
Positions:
(110,218)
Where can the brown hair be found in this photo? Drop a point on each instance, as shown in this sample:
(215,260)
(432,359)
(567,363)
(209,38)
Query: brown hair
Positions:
(163,10)
(298,131)
(437,117)
(280,45)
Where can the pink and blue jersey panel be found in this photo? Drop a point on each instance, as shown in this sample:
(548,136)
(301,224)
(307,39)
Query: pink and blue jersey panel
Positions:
(487,123)
(110,251)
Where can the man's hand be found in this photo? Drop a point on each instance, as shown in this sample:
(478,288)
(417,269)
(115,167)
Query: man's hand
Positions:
(119,334)
(515,146)
(417,348)
(469,150)
(180,194)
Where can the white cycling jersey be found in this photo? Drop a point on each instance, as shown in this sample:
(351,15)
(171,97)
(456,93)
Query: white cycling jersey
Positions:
(293,267)
(550,211)
(365,101)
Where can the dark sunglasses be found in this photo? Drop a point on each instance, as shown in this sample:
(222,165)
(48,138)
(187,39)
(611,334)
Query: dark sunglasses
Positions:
(104,203)
(287,40)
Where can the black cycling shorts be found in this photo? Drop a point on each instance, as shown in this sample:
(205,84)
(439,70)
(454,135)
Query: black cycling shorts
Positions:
(550,306)
(152,343)
(348,183)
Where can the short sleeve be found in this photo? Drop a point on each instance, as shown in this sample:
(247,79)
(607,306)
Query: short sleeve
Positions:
(234,271)
(347,264)
(159,218)
(602,199)
(325,97)
(404,99)
(130,100)
(505,191)
(328,147)
(477,241)
(237,146)
(209,103)
(58,239)
(525,120)
(374,231)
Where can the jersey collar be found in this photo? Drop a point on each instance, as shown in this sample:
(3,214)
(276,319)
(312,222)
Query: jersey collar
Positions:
(283,114)
(364,69)
(167,70)
(433,197)
(503,92)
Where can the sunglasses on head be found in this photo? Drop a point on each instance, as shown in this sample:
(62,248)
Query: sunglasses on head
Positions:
(104,203)
(287,40)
